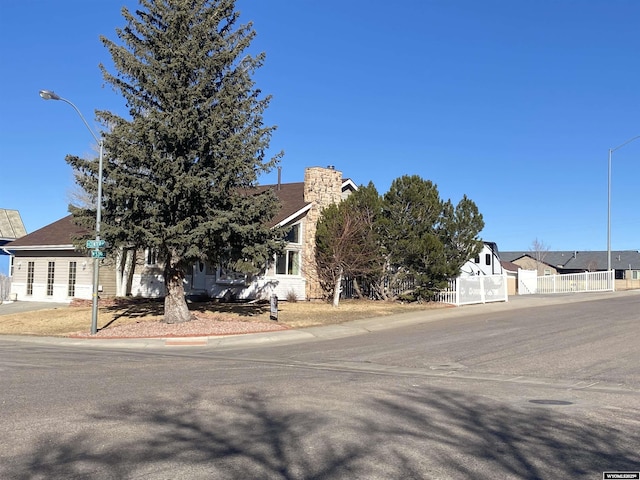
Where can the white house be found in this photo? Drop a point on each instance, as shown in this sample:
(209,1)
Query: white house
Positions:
(46,266)
(487,262)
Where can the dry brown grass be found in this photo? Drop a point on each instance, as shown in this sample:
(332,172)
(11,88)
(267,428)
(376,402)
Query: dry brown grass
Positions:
(62,321)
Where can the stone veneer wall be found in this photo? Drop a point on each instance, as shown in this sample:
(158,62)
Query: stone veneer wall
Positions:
(322,187)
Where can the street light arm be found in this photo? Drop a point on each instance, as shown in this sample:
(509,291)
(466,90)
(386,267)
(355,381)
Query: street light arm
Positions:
(51,95)
(611,150)
(623,144)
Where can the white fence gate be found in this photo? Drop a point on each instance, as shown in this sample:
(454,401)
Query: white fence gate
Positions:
(577,282)
(527,281)
(475,289)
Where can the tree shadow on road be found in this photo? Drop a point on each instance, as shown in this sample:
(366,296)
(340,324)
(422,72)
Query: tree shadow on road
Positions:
(424,433)
(479,439)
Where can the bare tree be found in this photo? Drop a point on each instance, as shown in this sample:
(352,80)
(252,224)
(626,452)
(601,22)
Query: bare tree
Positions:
(539,251)
(345,247)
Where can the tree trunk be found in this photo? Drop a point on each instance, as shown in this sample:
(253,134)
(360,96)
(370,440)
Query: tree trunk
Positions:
(119,262)
(175,303)
(337,288)
(125,260)
(356,287)
(129,268)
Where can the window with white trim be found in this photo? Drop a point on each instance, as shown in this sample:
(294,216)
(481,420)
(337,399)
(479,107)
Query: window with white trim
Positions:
(71,286)
(150,257)
(51,271)
(31,266)
(293,236)
(288,263)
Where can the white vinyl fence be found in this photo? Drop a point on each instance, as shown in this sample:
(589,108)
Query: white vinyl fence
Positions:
(577,282)
(475,289)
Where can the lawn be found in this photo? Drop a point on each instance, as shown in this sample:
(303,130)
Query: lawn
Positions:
(66,320)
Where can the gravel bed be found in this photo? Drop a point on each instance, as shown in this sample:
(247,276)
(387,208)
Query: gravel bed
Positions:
(202,326)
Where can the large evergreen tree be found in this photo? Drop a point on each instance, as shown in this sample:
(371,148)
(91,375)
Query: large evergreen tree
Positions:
(180,169)
(426,238)
(459,231)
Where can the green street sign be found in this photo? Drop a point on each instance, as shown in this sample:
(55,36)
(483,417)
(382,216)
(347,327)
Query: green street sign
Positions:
(96,243)
(98,254)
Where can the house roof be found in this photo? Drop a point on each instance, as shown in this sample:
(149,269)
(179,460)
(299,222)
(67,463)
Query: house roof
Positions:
(509,266)
(57,235)
(11,226)
(582,260)
(552,258)
(292,202)
(60,234)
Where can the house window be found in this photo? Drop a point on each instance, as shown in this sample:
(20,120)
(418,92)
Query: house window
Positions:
(635,274)
(225,275)
(294,234)
(477,259)
(31,266)
(150,257)
(11,266)
(487,258)
(71,288)
(547,271)
(51,270)
(288,263)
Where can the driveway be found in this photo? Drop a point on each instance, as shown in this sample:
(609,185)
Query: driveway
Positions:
(20,307)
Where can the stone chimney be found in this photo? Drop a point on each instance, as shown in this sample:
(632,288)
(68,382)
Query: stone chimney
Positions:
(322,187)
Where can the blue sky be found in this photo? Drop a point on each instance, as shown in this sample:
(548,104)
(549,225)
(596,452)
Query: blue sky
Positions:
(513,103)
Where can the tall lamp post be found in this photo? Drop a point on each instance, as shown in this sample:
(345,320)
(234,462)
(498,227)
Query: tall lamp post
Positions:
(611,150)
(50,95)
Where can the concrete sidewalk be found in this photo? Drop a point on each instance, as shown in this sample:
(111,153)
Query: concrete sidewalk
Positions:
(356,327)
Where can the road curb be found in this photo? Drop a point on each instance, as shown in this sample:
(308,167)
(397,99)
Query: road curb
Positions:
(354,327)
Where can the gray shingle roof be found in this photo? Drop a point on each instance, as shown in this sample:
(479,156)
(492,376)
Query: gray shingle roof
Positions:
(11,226)
(582,260)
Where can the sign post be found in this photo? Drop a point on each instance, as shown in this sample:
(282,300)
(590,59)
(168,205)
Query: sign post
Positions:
(274,308)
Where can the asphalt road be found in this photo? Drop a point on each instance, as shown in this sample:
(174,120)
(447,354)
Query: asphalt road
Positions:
(547,392)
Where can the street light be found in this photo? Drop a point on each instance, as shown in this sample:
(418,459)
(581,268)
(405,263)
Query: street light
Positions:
(611,150)
(50,95)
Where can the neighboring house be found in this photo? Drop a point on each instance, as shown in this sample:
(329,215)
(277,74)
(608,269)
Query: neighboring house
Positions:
(45,265)
(545,264)
(487,262)
(512,270)
(626,263)
(11,228)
